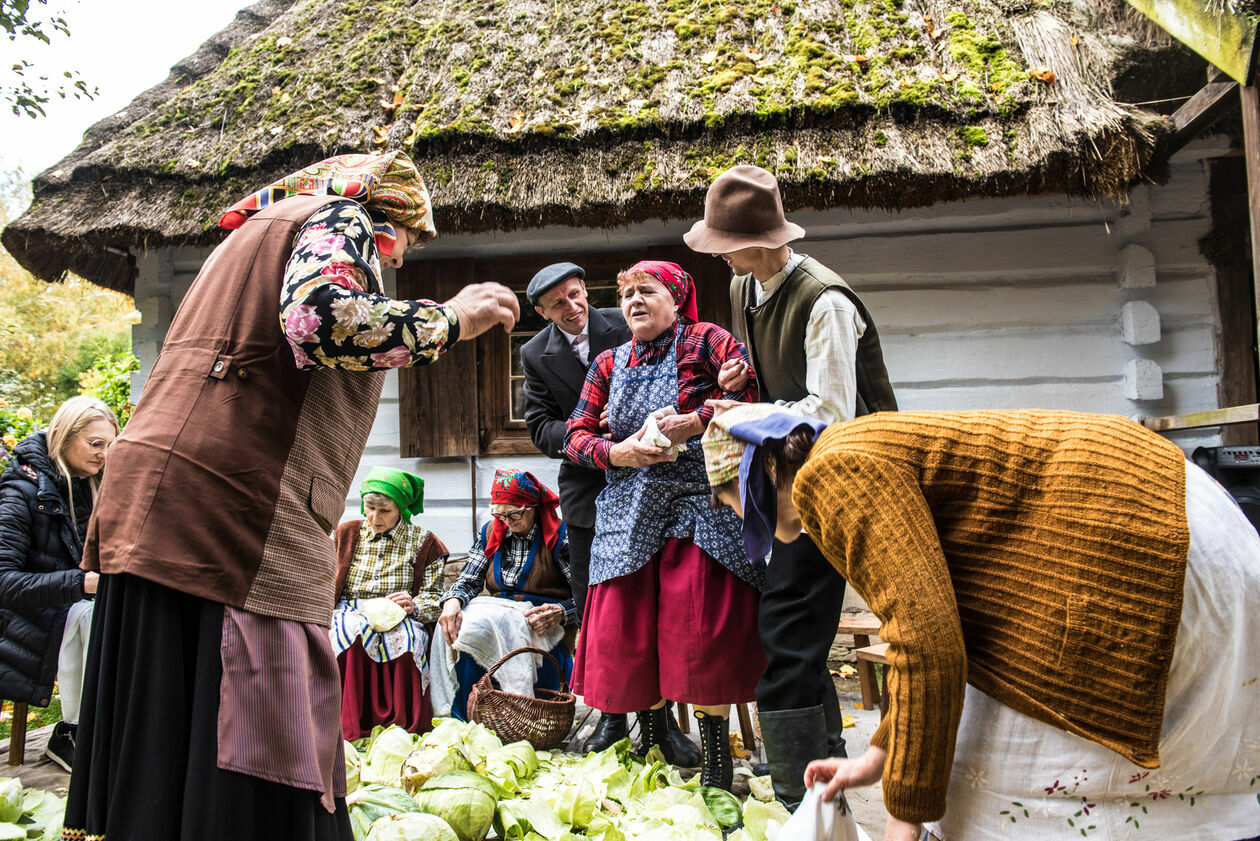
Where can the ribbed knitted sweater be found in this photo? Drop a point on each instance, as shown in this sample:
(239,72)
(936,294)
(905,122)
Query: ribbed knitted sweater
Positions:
(1039,556)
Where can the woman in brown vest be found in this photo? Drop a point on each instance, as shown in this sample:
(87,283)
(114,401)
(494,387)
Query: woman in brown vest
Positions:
(1090,594)
(522,554)
(211,705)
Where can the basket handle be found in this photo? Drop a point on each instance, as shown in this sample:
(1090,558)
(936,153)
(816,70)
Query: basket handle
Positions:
(529,648)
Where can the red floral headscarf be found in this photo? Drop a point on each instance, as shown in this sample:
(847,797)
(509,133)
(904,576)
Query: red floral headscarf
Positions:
(520,488)
(676,280)
(389,183)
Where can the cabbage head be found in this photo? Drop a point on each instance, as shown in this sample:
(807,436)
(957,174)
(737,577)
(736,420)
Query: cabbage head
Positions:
(429,761)
(762,821)
(413,827)
(386,750)
(353,764)
(12,832)
(10,800)
(516,819)
(382,614)
(368,803)
(465,800)
(522,757)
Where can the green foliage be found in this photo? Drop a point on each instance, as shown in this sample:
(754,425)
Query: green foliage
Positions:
(110,380)
(28,94)
(51,334)
(16,422)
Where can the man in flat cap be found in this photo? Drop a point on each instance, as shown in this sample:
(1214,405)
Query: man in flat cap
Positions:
(815,350)
(555,363)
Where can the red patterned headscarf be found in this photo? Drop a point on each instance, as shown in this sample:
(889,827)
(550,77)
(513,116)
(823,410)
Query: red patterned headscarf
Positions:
(676,280)
(517,487)
(389,183)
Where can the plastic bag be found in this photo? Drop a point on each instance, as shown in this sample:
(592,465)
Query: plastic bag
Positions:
(818,820)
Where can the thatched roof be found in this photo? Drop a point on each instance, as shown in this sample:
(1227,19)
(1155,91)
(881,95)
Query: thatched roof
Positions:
(526,113)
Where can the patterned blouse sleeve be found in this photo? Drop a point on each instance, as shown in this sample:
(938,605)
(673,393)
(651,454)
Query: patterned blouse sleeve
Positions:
(331,307)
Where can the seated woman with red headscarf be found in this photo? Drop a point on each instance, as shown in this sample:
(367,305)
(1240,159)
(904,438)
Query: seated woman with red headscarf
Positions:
(521,560)
(672,608)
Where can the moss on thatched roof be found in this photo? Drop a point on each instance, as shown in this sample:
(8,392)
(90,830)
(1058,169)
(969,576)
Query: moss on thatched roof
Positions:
(524,113)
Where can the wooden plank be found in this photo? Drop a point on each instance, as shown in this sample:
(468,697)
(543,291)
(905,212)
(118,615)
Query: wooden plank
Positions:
(1251,148)
(1212,417)
(17,734)
(437,403)
(1204,108)
(1225,38)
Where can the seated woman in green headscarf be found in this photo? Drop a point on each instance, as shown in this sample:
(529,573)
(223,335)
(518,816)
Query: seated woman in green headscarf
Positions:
(389,580)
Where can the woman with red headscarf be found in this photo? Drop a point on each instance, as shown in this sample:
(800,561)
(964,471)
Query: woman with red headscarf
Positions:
(672,608)
(521,554)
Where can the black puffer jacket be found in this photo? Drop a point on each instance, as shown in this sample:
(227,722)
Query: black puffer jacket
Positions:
(40,546)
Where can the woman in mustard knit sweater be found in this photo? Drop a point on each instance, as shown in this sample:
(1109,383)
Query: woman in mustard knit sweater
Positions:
(1070,609)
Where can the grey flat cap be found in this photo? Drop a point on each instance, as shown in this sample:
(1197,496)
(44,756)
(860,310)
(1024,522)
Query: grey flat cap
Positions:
(551,276)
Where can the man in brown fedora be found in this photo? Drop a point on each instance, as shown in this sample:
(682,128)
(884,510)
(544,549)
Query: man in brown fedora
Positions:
(816,351)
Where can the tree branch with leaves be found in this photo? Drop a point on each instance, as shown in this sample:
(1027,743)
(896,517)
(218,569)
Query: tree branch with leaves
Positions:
(28,90)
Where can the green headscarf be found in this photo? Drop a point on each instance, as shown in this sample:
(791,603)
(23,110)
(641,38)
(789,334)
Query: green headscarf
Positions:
(405,489)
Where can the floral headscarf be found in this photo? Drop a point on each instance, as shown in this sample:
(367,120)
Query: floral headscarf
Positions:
(405,489)
(520,488)
(732,446)
(389,183)
(676,280)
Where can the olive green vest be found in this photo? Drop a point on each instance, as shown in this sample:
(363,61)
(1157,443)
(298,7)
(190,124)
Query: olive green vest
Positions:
(775,335)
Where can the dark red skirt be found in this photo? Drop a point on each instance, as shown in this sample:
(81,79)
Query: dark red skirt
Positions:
(682,628)
(375,693)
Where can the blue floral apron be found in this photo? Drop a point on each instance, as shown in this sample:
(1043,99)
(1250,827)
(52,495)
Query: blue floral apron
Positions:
(642,507)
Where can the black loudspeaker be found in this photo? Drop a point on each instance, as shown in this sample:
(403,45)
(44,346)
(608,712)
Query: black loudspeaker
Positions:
(1238,471)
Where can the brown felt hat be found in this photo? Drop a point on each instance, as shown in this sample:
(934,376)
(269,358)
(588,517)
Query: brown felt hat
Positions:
(742,209)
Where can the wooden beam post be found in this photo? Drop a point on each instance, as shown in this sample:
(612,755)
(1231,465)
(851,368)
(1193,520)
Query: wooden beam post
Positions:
(1251,133)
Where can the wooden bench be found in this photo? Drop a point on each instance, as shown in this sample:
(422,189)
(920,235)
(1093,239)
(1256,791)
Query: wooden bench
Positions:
(17,734)
(870,655)
(863,626)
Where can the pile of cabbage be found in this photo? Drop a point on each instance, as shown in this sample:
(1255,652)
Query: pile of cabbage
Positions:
(29,813)
(458,782)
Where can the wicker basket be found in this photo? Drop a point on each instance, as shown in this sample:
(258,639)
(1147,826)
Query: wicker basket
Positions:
(543,721)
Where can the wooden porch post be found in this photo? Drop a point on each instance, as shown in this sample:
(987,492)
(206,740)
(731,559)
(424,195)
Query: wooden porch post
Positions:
(1251,133)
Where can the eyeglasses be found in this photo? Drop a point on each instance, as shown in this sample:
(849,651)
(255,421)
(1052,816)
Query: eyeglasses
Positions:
(513,517)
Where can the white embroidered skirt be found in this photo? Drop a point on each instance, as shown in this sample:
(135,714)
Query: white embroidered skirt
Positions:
(1017,778)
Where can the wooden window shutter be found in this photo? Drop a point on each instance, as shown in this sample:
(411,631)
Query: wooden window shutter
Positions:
(437,403)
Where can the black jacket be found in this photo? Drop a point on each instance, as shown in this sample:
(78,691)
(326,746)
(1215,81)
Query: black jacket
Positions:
(553,384)
(40,546)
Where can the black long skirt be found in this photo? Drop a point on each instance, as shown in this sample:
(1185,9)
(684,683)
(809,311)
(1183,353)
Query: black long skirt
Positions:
(144,766)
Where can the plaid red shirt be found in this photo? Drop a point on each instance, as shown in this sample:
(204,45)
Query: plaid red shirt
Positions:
(702,348)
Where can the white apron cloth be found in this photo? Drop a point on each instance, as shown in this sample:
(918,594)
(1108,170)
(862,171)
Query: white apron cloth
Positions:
(1017,778)
(489,629)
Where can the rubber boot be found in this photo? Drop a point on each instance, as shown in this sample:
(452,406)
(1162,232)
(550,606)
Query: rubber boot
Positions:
(793,739)
(835,721)
(612,728)
(717,769)
(652,731)
(684,751)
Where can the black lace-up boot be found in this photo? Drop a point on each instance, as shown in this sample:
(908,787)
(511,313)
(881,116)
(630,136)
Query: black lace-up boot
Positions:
(716,769)
(652,724)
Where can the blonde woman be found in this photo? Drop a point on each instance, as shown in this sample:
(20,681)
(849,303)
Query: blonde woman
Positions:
(46,497)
